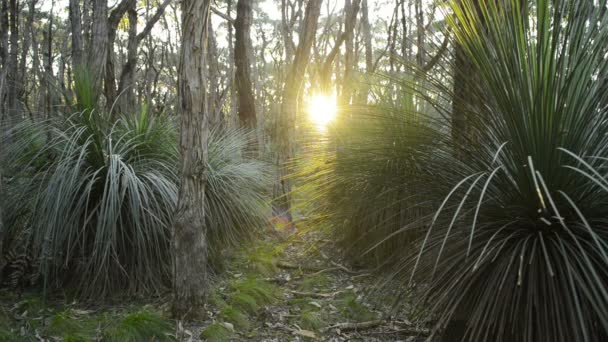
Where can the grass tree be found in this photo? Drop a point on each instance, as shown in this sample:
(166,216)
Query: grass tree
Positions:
(190,247)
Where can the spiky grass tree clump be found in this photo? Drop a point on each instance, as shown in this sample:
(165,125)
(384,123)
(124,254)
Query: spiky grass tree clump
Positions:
(237,190)
(99,196)
(518,247)
(368,181)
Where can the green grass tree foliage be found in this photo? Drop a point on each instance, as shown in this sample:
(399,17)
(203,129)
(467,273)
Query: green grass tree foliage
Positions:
(513,217)
(97,196)
(101,197)
(518,246)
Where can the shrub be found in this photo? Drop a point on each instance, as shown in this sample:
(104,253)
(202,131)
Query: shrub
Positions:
(94,199)
(517,247)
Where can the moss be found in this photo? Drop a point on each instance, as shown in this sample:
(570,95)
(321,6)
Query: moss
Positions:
(262,291)
(216,333)
(313,282)
(235,316)
(216,300)
(140,326)
(351,309)
(75,338)
(62,325)
(311,320)
(263,258)
(245,302)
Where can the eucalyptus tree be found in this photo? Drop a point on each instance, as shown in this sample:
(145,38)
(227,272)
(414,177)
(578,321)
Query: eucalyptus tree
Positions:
(286,120)
(189,243)
(242,60)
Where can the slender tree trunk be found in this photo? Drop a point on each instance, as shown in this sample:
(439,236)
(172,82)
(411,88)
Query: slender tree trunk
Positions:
(189,230)
(369,53)
(231,70)
(3,58)
(48,69)
(13,80)
(420,33)
(242,60)
(76,27)
(286,120)
(110,73)
(99,43)
(215,110)
(351,8)
(25,46)
(127,74)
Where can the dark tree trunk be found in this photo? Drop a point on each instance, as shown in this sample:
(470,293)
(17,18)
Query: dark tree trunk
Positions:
(286,120)
(189,230)
(76,27)
(216,119)
(99,45)
(127,74)
(110,73)
(3,58)
(242,60)
(25,46)
(13,80)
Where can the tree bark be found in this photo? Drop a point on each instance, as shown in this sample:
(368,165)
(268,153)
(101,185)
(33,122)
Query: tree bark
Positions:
(242,60)
(350,16)
(189,231)
(369,53)
(216,119)
(351,9)
(286,120)
(12,61)
(76,27)
(3,58)
(99,42)
(110,73)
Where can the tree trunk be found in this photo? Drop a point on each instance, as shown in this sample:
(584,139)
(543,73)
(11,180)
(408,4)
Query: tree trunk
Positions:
(286,120)
(76,27)
(215,110)
(99,45)
(3,58)
(189,231)
(127,75)
(233,113)
(12,61)
(351,8)
(242,60)
(110,73)
(369,53)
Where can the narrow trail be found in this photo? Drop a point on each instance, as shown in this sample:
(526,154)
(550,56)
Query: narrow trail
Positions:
(298,291)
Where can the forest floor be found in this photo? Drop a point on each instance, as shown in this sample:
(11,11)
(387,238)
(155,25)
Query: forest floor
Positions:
(274,290)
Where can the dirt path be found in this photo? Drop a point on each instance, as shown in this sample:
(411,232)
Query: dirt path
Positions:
(296,291)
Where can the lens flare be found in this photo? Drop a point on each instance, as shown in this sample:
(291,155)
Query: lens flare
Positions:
(322,109)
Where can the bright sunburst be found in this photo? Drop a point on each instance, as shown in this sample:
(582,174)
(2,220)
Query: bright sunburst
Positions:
(322,109)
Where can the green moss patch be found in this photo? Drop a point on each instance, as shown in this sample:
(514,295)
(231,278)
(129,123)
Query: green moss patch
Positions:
(216,332)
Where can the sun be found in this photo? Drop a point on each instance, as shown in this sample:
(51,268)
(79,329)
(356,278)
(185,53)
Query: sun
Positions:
(322,109)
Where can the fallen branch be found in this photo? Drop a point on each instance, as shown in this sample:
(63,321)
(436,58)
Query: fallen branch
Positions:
(354,326)
(342,267)
(290,266)
(317,294)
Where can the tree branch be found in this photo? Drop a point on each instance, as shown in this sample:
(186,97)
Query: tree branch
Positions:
(153,20)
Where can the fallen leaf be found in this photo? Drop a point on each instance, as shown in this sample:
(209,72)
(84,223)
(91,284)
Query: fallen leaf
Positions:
(227,325)
(306,333)
(315,304)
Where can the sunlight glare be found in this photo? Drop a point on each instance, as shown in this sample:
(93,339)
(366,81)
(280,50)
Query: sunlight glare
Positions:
(322,109)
